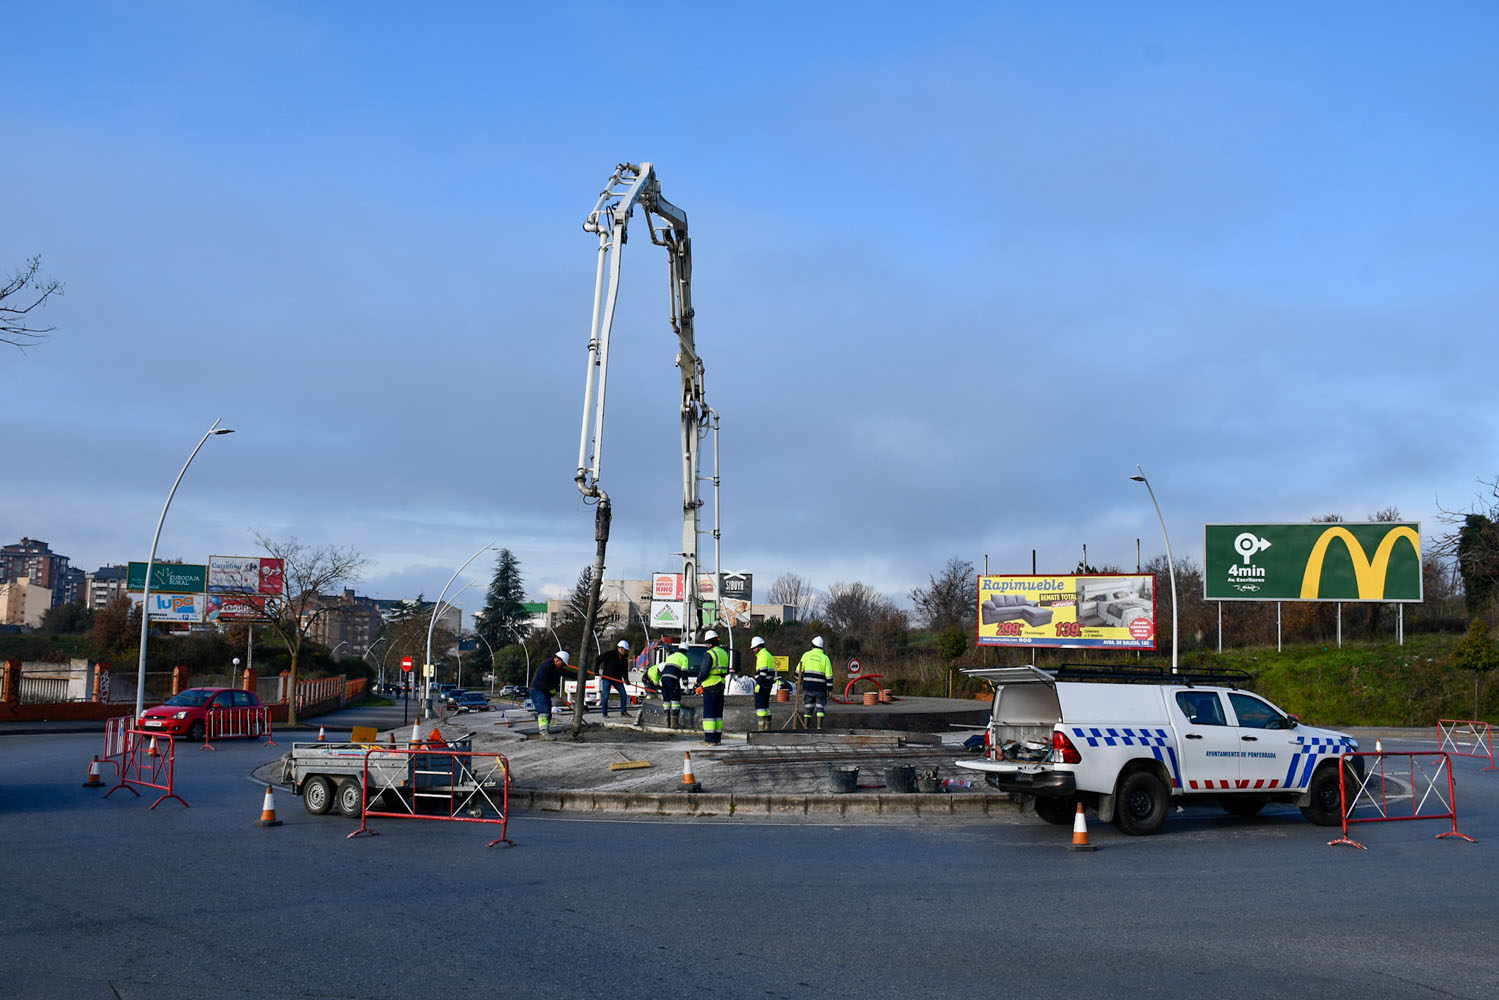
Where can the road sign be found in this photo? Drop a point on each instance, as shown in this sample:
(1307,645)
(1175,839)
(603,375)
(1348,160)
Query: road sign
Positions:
(854,666)
(407,663)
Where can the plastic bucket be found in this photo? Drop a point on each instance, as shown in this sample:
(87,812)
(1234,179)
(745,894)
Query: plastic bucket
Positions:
(783,694)
(900,778)
(928,785)
(843,779)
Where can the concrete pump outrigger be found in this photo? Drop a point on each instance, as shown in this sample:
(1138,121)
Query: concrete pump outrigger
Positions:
(632,186)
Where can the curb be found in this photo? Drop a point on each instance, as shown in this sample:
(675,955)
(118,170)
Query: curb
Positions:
(912,805)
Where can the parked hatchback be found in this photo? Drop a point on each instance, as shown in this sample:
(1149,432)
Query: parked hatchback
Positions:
(472,701)
(232,712)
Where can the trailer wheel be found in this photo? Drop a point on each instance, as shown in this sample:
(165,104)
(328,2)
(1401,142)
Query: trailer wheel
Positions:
(317,794)
(350,798)
(1141,803)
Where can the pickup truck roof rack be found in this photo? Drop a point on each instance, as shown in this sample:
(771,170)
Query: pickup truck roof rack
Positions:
(1130,673)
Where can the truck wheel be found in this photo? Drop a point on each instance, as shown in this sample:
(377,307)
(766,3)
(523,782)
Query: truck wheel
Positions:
(1325,807)
(350,798)
(1140,804)
(317,794)
(1243,806)
(1054,810)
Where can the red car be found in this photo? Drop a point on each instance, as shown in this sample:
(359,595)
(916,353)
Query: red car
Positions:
(233,713)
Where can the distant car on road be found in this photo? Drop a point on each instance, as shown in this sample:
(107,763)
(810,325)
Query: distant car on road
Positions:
(187,714)
(512,691)
(472,701)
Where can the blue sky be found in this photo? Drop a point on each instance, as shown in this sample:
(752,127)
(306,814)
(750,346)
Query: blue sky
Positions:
(956,271)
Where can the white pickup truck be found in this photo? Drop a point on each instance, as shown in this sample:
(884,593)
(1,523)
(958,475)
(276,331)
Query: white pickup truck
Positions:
(1128,741)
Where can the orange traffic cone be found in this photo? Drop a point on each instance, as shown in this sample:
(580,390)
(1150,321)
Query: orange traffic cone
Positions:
(93,774)
(1080,832)
(268,810)
(416,732)
(1377,747)
(320,734)
(689,780)
(151,750)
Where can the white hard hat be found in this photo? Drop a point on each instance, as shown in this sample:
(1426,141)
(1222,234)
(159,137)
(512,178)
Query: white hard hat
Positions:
(817,641)
(710,634)
(562,655)
(756,641)
(624,645)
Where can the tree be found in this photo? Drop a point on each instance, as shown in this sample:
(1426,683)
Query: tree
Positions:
(572,627)
(793,591)
(504,619)
(407,628)
(22,293)
(73,617)
(115,631)
(308,572)
(1476,651)
(951,601)
(1474,542)
(952,642)
(854,607)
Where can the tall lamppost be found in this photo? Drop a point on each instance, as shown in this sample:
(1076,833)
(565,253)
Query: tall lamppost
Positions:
(524,649)
(427,695)
(140,675)
(1170,563)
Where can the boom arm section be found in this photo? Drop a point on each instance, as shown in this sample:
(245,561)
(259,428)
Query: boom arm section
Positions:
(633,185)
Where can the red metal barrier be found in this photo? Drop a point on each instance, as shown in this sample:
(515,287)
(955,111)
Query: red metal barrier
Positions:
(230,722)
(116,738)
(1421,779)
(1467,738)
(435,775)
(146,764)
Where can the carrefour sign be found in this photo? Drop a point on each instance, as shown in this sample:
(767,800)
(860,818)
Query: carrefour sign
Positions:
(1325,561)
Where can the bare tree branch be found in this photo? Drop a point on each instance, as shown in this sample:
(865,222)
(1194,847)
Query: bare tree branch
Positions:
(15,328)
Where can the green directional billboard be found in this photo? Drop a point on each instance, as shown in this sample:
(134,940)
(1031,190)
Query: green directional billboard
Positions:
(169,578)
(1325,561)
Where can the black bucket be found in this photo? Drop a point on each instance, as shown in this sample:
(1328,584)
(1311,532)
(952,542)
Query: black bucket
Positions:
(843,779)
(900,778)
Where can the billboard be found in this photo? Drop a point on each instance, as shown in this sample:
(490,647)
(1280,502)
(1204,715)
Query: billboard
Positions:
(1323,561)
(739,587)
(173,607)
(668,615)
(236,608)
(168,578)
(1102,611)
(245,575)
(666,587)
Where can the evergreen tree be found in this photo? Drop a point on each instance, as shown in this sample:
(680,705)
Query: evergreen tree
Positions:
(504,616)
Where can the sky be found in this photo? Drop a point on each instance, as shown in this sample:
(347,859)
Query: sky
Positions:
(957,270)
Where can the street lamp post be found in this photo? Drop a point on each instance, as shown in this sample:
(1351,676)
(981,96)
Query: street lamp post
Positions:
(1170,563)
(140,676)
(524,649)
(427,694)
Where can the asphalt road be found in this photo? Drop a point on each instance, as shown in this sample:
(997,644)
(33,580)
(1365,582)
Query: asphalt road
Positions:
(107,899)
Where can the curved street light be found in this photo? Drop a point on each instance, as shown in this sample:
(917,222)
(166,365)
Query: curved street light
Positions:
(140,674)
(520,640)
(427,695)
(1170,563)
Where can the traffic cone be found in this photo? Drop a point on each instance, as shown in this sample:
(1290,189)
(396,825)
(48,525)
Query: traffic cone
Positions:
(320,734)
(93,774)
(268,810)
(689,780)
(1080,832)
(416,732)
(151,750)
(1377,747)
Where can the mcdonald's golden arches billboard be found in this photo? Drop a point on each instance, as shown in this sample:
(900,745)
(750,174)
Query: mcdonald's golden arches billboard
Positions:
(1324,561)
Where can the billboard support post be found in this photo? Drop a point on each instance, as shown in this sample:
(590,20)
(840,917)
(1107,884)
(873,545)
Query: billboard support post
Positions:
(1170,563)
(140,677)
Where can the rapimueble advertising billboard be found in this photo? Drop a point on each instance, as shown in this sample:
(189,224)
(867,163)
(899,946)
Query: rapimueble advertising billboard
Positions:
(1321,561)
(1086,611)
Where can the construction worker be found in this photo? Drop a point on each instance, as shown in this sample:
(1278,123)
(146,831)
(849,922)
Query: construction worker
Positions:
(544,684)
(669,674)
(711,678)
(817,680)
(613,669)
(765,676)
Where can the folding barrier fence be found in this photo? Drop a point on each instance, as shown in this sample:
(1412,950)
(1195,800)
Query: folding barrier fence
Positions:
(116,738)
(1467,738)
(1395,787)
(149,761)
(227,723)
(459,786)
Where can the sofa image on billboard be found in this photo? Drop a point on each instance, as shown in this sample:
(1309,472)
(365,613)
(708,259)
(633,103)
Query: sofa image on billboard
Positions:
(1013,607)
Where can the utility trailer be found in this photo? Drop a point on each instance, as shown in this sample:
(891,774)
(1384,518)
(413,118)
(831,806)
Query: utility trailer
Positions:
(330,777)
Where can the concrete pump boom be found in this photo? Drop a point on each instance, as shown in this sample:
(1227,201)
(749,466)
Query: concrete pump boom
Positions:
(632,186)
